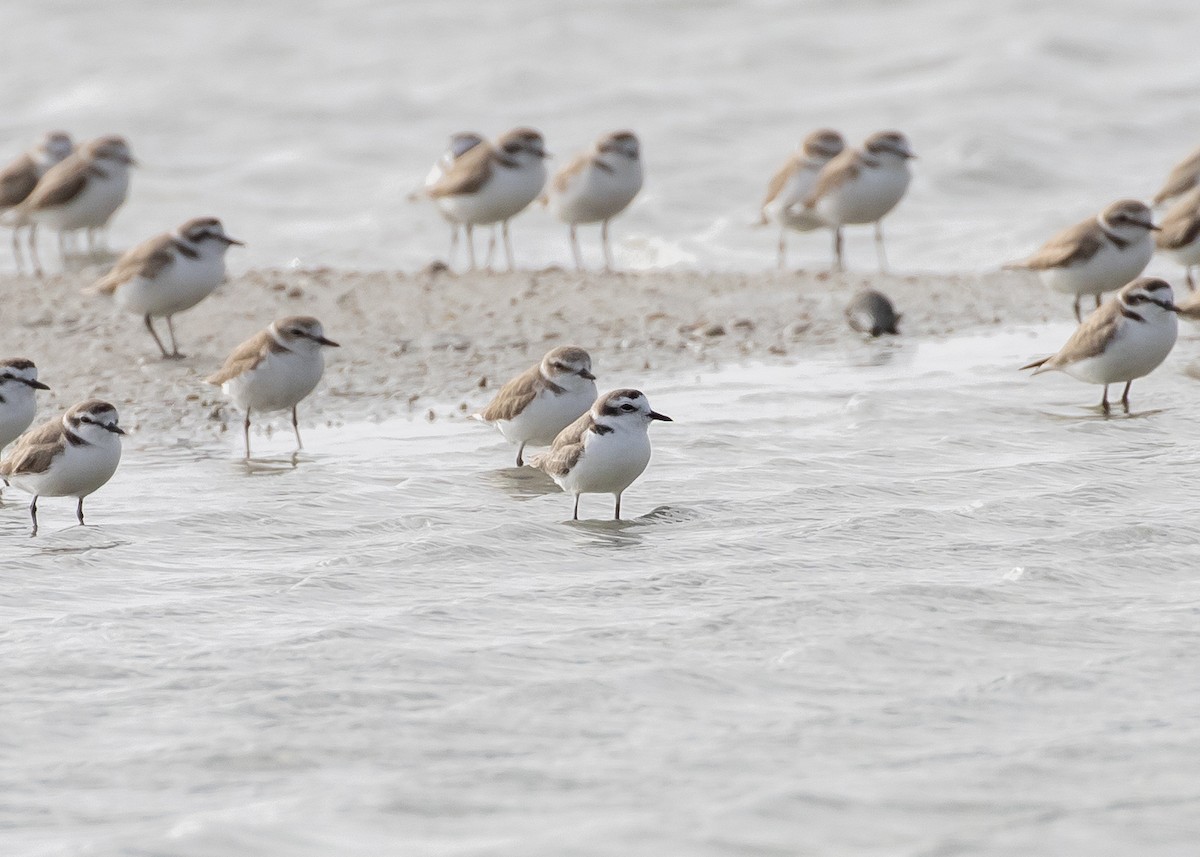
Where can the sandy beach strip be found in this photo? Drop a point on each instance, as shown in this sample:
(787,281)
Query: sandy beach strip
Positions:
(416,343)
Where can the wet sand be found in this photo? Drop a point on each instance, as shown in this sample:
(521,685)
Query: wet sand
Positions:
(437,344)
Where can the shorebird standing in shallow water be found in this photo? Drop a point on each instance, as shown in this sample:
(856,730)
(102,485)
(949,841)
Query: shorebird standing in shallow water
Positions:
(603,451)
(539,403)
(1125,339)
(72,456)
(18,405)
(168,274)
(275,369)
(597,186)
(862,186)
(1179,235)
(784,202)
(1098,255)
(493,184)
(20,177)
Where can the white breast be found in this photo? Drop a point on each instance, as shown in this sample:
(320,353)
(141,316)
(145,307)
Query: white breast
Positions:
(1136,351)
(1108,270)
(91,207)
(610,462)
(181,285)
(77,472)
(548,414)
(278,382)
(597,194)
(867,197)
(18,410)
(507,193)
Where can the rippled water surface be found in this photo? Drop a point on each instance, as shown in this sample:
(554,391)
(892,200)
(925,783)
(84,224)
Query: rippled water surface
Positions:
(305,126)
(897,599)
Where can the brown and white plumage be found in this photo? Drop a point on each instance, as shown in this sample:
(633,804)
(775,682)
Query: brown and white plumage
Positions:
(1179,232)
(790,186)
(1182,178)
(275,369)
(1097,255)
(169,273)
(1125,339)
(604,450)
(20,177)
(71,456)
(536,405)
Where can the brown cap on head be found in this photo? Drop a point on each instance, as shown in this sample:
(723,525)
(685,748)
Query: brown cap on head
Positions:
(889,141)
(823,143)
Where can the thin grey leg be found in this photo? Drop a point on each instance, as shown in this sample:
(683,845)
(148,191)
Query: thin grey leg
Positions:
(150,327)
(246,433)
(33,514)
(879,251)
(575,248)
(79,511)
(617,511)
(575,517)
(512,265)
(453,245)
(174,348)
(1191,283)
(1078,316)
(1099,300)
(521,455)
(296,428)
(781,259)
(1125,396)
(1104,401)
(469,229)
(608,262)
(17,255)
(838,263)
(33,253)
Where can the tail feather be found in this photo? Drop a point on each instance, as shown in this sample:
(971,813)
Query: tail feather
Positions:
(1039,365)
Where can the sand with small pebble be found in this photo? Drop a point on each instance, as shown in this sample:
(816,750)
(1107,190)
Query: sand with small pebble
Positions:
(436,344)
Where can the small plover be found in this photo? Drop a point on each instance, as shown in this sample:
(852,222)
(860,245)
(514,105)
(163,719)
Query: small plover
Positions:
(67,457)
(1183,177)
(539,403)
(1179,236)
(492,184)
(862,186)
(597,186)
(82,192)
(169,273)
(460,143)
(20,177)
(784,202)
(604,450)
(275,369)
(18,406)
(872,313)
(1125,339)
(1097,255)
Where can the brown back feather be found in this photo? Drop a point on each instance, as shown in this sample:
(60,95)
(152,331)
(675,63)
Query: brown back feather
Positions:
(1182,178)
(517,394)
(246,357)
(567,448)
(18,181)
(147,259)
(36,449)
(61,183)
(469,172)
(841,169)
(1070,247)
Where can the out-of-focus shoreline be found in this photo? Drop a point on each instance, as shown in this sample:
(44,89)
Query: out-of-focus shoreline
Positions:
(444,341)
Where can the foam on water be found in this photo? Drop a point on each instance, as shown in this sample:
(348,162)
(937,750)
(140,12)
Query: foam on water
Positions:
(897,598)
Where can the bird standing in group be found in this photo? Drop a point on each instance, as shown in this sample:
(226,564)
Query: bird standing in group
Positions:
(1098,255)
(275,369)
(18,403)
(1125,339)
(493,184)
(460,143)
(539,403)
(784,202)
(1183,177)
(168,274)
(20,177)
(71,456)
(862,186)
(604,450)
(1179,233)
(597,186)
(81,192)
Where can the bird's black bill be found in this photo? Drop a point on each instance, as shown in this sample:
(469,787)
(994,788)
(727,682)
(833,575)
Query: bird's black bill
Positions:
(324,341)
(584,373)
(655,415)
(114,429)
(37,385)
(229,240)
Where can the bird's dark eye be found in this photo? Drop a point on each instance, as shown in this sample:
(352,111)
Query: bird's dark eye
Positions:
(512,148)
(628,407)
(1137,299)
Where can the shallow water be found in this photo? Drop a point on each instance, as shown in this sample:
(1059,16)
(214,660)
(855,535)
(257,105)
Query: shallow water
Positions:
(895,599)
(306,127)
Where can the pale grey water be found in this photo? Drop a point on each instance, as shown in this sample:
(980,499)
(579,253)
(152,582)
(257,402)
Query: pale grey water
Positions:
(893,599)
(305,125)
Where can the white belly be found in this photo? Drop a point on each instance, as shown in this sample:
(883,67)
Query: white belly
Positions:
(93,207)
(866,198)
(506,194)
(596,194)
(183,285)
(1137,352)
(787,209)
(609,463)
(547,415)
(17,412)
(77,472)
(278,382)
(1107,271)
